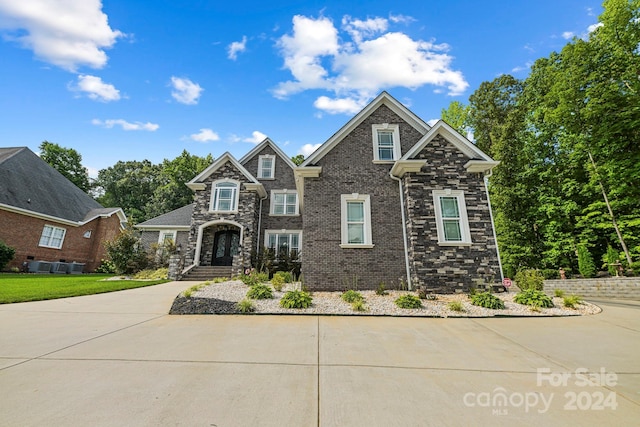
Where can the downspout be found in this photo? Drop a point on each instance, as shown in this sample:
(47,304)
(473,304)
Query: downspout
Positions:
(259,224)
(493,225)
(404,231)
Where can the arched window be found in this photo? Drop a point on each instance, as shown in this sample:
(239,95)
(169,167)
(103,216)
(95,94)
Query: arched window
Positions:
(224,197)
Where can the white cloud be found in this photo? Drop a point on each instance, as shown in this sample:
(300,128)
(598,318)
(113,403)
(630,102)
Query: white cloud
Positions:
(568,35)
(339,105)
(237,47)
(66,33)
(256,137)
(151,127)
(401,19)
(96,89)
(355,70)
(307,149)
(185,91)
(205,135)
(594,27)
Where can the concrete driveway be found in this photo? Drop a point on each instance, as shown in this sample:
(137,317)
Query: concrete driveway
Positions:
(119,360)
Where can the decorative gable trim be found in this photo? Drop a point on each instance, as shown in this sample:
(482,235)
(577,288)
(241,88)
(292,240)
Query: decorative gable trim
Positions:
(453,137)
(258,148)
(196,183)
(402,167)
(383,99)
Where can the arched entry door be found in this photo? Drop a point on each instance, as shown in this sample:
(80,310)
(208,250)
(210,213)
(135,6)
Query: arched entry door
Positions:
(225,246)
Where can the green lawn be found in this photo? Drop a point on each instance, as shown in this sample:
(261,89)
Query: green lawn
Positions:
(35,287)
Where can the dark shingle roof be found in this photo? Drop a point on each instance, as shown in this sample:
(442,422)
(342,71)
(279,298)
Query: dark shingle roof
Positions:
(28,182)
(180,217)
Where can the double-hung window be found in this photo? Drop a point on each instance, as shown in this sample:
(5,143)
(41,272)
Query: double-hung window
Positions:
(266,166)
(284,202)
(281,240)
(386,142)
(356,221)
(52,237)
(451,216)
(225,196)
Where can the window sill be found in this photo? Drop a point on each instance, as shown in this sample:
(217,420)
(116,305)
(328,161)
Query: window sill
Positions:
(355,246)
(50,247)
(266,179)
(384,162)
(455,243)
(224,212)
(272,214)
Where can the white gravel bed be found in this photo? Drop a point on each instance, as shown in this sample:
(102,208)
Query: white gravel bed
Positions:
(331,303)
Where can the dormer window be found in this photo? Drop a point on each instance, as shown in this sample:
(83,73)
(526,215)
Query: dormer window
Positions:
(224,197)
(266,166)
(386,142)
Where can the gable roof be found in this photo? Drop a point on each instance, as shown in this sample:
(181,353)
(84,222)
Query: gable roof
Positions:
(197,182)
(453,136)
(383,99)
(258,148)
(29,185)
(176,219)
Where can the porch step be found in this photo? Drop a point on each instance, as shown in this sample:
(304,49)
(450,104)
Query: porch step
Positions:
(204,273)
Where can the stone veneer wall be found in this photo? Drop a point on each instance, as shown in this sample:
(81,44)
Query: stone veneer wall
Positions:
(283,179)
(610,287)
(448,269)
(247,215)
(348,168)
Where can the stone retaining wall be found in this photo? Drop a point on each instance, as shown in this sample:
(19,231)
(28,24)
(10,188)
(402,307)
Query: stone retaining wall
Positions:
(610,287)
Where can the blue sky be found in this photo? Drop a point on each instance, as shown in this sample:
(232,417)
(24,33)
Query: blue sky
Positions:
(133,80)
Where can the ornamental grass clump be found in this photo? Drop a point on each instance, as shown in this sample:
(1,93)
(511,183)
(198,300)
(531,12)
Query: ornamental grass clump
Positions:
(455,306)
(487,300)
(408,301)
(296,299)
(534,298)
(245,306)
(571,301)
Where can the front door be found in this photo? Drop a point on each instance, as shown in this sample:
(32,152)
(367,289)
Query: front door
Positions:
(225,246)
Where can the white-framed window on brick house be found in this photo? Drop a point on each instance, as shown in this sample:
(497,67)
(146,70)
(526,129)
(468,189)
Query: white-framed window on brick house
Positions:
(386,142)
(451,218)
(284,202)
(279,240)
(52,237)
(266,166)
(224,196)
(355,221)
(167,236)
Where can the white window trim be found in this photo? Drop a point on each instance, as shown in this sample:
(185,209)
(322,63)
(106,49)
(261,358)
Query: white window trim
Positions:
(213,192)
(53,229)
(273,166)
(464,220)
(174,233)
(397,152)
(355,197)
(273,205)
(283,231)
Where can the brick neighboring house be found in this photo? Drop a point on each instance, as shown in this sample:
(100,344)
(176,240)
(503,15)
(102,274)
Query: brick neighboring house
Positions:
(45,217)
(387,198)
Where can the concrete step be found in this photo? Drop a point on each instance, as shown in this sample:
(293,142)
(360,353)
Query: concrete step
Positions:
(203,273)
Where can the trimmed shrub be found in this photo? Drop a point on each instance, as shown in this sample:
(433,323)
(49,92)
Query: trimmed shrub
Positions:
(284,275)
(351,296)
(408,301)
(259,291)
(277,281)
(126,253)
(533,298)
(296,299)
(6,254)
(487,300)
(530,279)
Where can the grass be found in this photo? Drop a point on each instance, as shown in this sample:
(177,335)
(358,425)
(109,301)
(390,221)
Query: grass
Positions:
(37,287)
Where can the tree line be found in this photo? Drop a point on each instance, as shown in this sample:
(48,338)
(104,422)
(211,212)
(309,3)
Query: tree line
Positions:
(568,140)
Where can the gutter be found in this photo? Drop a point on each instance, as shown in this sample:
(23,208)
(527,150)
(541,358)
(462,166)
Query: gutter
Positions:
(404,232)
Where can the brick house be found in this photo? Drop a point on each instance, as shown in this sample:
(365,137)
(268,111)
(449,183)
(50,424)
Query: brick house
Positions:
(45,217)
(387,198)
